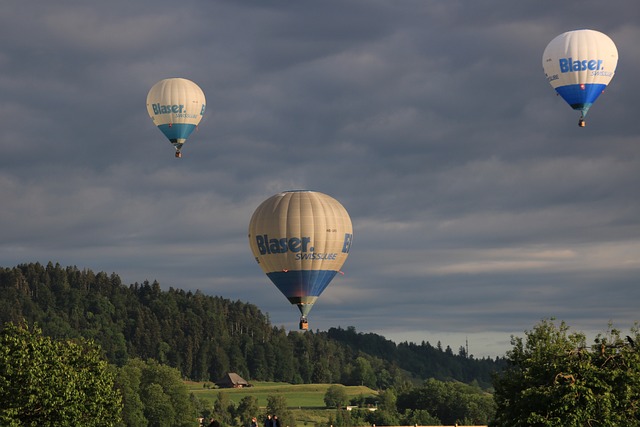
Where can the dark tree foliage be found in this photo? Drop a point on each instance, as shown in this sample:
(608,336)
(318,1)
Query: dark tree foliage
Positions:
(336,396)
(422,360)
(204,337)
(277,407)
(555,379)
(449,402)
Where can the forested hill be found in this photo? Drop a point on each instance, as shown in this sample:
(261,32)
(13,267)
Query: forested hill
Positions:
(205,336)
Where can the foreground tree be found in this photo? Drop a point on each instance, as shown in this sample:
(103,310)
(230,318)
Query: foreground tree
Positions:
(554,379)
(223,409)
(164,395)
(246,410)
(128,379)
(278,407)
(44,382)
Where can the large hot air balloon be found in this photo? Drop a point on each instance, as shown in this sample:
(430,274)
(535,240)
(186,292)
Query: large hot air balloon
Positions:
(176,106)
(301,239)
(579,65)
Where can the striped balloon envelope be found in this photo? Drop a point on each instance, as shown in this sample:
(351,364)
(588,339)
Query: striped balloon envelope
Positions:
(579,65)
(301,239)
(176,106)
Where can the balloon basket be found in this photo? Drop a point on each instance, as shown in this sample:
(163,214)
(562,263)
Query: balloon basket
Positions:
(304,324)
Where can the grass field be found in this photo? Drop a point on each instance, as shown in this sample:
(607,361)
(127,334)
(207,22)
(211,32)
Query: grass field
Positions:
(307,396)
(306,401)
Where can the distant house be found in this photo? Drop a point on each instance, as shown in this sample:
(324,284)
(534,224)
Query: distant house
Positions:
(232,380)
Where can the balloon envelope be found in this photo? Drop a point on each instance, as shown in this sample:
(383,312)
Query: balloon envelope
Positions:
(301,239)
(176,106)
(579,65)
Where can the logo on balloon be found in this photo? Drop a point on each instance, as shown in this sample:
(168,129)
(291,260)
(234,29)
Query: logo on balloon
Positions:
(267,245)
(283,245)
(167,109)
(568,65)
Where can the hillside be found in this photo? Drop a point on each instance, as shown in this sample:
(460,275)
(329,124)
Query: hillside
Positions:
(207,336)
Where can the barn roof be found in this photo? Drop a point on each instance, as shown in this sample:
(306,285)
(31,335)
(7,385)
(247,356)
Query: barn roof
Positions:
(231,379)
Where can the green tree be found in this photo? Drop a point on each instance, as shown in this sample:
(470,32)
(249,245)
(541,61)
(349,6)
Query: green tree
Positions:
(165,396)
(419,417)
(336,396)
(128,379)
(554,379)
(343,419)
(363,373)
(277,406)
(450,402)
(223,409)
(157,406)
(44,382)
(389,400)
(382,417)
(247,409)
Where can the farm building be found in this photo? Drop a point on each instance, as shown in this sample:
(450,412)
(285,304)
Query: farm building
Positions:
(232,380)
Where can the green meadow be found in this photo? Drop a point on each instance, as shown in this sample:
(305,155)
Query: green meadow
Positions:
(308,396)
(306,401)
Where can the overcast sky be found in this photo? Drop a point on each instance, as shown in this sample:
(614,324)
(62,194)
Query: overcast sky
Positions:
(479,206)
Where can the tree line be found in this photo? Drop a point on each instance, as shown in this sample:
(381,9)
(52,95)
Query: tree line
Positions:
(204,337)
(432,403)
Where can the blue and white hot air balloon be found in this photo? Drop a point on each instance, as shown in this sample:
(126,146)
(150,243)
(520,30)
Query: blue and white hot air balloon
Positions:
(176,106)
(579,65)
(301,239)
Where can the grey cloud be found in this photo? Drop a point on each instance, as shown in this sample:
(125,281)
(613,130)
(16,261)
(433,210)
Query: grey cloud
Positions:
(478,205)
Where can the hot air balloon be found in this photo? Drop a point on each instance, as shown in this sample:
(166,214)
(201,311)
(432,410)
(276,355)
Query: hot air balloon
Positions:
(579,65)
(301,239)
(176,106)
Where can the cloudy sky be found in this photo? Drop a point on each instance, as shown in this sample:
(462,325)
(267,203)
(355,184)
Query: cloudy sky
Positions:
(479,206)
